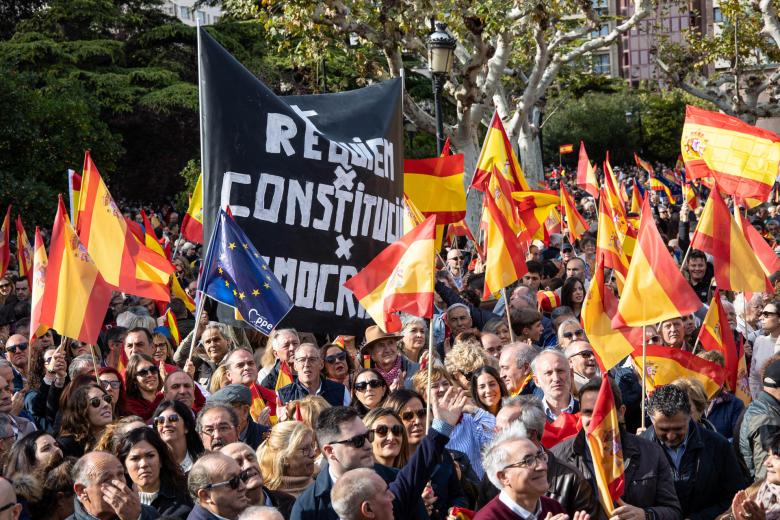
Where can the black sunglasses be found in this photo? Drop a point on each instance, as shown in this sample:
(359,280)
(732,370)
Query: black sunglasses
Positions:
(95,401)
(358,440)
(232,483)
(111,384)
(374,383)
(341,356)
(20,346)
(160,419)
(382,430)
(148,370)
(7,506)
(578,333)
(408,416)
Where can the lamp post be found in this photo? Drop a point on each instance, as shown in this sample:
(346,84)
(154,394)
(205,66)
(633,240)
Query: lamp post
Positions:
(441,54)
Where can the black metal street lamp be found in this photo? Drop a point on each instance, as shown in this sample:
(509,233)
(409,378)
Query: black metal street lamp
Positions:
(441,54)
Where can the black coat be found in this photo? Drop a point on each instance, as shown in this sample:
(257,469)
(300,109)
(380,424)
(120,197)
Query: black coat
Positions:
(173,502)
(281,501)
(709,474)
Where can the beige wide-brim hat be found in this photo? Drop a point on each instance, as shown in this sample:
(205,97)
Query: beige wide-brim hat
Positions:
(374,334)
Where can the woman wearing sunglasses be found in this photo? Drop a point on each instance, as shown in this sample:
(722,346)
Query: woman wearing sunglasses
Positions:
(339,365)
(287,458)
(163,351)
(569,330)
(112,382)
(390,445)
(174,422)
(369,391)
(156,478)
(143,382)
(87,412)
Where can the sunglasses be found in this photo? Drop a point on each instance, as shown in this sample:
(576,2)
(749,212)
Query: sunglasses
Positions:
(5,286)
(232,483)
(381,430)
(586,354)
(20,346)
(95,401)
(114,385)
(148,370)
(341,356)
(577,333)
(358,440)
(7,506)
(408,416)
(172,418)
(766,314)
(654,340)
(374,383)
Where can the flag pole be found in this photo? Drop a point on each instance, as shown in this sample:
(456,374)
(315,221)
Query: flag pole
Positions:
(430,374)
(644,372)
(198,312)
(508,319)
(94,363)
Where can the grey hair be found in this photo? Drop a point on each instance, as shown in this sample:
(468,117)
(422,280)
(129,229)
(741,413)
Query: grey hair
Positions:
(260,513)
(82,363)
(226,359)
(495,457)
(132,320)
(221,327)
(531,412)
(524,353)
(407,320)
(551,351)
(214,406)
(278,332)
(200,475)
(456,306)
(349,493)
(83,471)
(565,322)
(7,423)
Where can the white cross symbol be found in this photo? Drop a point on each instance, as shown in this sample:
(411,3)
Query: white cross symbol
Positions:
(344,178)
(344,246)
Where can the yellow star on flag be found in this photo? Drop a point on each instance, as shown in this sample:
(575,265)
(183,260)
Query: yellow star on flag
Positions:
(255,292)
(241,295)
(246,246)
(227,284)
(220,270)
(232,245)
(235,292)
(266,286)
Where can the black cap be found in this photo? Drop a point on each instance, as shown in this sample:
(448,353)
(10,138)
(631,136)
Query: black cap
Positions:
(772,375)
(566,247)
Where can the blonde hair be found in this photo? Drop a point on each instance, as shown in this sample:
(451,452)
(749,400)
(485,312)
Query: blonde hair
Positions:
(465,357)
(217,380)
(420,379)
(283,441)
(310,406)
(695,390)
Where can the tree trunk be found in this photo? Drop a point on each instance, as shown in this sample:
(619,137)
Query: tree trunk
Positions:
(531,157)
(470,148)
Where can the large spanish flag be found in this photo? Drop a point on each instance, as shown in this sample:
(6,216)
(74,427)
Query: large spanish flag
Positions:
(497,152)
(644,164)
(742,158)
(435,186)
(178,292)
(399,279)
(575,223)
(766,255)
(654,290)
(192,223)
(504,254)
(606,452)
(24,252)
(586,173)
(608,243)
(665,364)
(715,334)
(534,207)
(5,242)
(38,275)
(75,297)
(736,266)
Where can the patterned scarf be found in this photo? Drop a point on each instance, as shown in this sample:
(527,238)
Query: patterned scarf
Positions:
(768,497)
(392,374)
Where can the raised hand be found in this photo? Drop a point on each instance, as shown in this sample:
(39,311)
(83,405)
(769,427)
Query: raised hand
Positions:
(449,407)
(122,500)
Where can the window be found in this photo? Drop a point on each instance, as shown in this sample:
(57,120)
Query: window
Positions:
(201,17)
(717,15)
(185,13)
(601,64)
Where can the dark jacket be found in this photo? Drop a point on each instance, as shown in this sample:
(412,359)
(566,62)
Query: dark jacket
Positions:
(568,487)
(269,381)
(254,434)
(314,502)
(447,488)
(708,476)
(760,423)
(147,512)
(648,477)
(281,501)
(70,446)
(478,316)
(330,390)
(173,502)
(200,513)
(725,413)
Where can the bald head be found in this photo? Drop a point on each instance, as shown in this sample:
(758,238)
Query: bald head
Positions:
(90,475)
(16,350)
(361,491)
(8,496)
(261,513)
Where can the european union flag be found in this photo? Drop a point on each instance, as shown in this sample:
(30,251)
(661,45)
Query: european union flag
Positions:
(235,274)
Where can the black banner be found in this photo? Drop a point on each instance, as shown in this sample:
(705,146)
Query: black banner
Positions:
(316,182)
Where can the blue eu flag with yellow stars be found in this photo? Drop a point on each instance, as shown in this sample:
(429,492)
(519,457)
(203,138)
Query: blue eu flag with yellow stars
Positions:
(235,274)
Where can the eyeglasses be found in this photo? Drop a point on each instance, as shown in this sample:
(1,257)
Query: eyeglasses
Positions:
(654,340)
(408,416)
(95,401)
(20,346)
(586,354)
(172,418)
(160,346)
(114,385)
(220,428)
(341,356)
(7,506)
(577,333)
(5,285)
(529,461)
(766,314)
(307,360)
(358,440)
(397,430)
(148,370)
(455,258)
(232,483)
(374,383)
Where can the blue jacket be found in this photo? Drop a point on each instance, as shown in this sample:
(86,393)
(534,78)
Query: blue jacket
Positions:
(725,413)
(410,481)
(199,513)
(254,434)
(330,390)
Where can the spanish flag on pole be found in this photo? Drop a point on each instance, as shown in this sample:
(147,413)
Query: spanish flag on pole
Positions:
(643,164)
(770,263)
(74,192)
(497,152)
(665,364)
(690,196)
(75,297)
(603,438)
(736,266)
(192,223)
(5,242)
(178,292)
(636,200)
(715,334)
(741,158)
(654,290)
(284,378)
(586,173)
(24,252)
(435,186)
(533,209)
(609,247)
(399,279)
(173,327)
(38,275)
(575,223)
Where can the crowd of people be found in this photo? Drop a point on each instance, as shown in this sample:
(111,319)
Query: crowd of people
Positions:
(139,427)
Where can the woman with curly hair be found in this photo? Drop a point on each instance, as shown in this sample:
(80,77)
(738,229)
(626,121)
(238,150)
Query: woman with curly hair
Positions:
(466,357)
(87,413)
(115,431)
(156,478)
(287,457)
(306,410)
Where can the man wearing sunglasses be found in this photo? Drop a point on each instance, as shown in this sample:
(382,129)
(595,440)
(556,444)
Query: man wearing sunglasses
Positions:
(346,444)
(582,362)
(218,486)
(16,353)
(9,507)
(764,346)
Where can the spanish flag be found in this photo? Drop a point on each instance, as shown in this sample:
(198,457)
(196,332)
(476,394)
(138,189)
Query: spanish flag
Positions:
(644,164)
(461,229)
(38,275)
(505,257)
(5,242)
(150,239)
(656,184)
(770,263)
(533,209)
(612,186)
(435,186)
(192,223)
(665,364)
(736,266)
(690,196)
(586,173)
(178,292)
(715,334)
(399,279)
(497,153)
(75,297)
(173,327)
(74,192)
(564,426)
(261,397)
(609,247)
(606,452)
(284,378)
(636,200)
(24,252)
(742,158)
(655,290)
(575,223)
